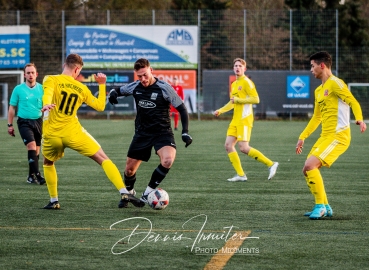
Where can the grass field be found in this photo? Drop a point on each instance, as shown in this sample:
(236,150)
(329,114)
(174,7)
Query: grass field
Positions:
(91,232)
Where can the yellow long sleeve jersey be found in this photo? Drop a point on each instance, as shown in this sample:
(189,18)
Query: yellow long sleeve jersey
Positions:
(244,92)
(332,109)
(68,95)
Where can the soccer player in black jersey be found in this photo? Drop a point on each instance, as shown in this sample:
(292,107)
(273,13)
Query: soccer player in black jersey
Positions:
(152,125)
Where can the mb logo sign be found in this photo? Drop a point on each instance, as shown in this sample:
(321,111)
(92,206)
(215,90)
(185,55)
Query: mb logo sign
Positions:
(179,37)
(298,86)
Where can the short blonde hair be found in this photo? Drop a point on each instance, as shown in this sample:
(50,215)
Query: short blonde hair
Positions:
(243,62)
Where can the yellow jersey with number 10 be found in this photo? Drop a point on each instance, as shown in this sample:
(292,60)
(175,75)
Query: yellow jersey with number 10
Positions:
(68,95)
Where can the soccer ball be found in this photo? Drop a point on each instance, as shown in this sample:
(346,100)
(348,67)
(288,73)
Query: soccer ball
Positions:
(158,199)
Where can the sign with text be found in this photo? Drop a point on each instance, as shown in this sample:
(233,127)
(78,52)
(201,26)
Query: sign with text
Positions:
(186,79)
(113,79)
(14,46)
(119,46)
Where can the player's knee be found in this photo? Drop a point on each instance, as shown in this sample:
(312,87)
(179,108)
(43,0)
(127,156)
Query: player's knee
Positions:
(129,172)
(228,147)
(245,149)
(31,145)
(307,168)
(167,162)
(48,162)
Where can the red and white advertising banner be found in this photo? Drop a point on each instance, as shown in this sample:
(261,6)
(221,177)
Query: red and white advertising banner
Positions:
(186,78)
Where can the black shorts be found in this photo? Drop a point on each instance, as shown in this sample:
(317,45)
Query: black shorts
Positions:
(30,130)
(142,145)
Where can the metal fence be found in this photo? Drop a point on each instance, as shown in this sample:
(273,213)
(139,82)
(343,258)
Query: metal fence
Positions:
(267,39)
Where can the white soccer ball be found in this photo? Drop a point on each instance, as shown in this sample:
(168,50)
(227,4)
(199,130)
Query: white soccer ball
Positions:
(158,199)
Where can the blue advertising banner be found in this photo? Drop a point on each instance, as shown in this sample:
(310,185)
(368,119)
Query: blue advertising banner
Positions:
(14,46)
(119,46)
(298,86)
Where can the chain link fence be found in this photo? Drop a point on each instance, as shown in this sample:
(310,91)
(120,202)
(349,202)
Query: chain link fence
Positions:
(267,39)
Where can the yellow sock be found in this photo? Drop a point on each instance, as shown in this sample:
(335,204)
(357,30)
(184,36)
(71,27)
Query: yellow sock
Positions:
(236,163)
(308,184)
(51,178)
(257,155)
(317,186)
(325,198)
(113,174)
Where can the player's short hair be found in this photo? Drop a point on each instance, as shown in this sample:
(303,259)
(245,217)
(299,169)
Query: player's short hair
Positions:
(322,57)
(243,62)
(73,60)
(29,65)
(141,63)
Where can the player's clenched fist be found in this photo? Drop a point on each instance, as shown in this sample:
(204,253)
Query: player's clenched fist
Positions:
(113,96)
(100,78)
(187,139)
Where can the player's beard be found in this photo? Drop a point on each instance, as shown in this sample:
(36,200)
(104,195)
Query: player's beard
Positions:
(148,82)
(31,82)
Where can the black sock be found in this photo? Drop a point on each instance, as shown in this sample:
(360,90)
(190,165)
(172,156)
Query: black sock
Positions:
(33,163)
(157,176)
(129,181)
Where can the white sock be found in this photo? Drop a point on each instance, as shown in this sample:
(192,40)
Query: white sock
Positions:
(54,199)
(123,190)
(148,190)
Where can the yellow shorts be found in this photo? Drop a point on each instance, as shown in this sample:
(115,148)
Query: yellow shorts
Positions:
(242,133)
(327,150)
(82,142)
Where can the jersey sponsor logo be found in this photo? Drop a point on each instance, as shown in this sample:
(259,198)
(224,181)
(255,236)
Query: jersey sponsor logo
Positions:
(154,96)
(146,104)
(179,37)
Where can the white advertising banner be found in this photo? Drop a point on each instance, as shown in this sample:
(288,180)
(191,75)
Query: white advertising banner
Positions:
(119,46)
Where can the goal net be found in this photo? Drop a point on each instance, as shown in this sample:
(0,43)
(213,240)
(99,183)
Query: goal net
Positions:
(8,80)
(361,93)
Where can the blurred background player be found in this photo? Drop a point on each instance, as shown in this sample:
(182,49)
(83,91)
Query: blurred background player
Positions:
(332,109)
(173,110)
(27,98)
(152,125)
(61,128)
(243,96)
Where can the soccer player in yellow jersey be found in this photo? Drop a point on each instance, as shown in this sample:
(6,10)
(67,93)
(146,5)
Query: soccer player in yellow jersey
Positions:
(63,95)
(332,110)
(243,96)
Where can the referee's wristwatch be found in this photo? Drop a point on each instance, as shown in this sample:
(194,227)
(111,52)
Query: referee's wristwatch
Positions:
(10,125)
